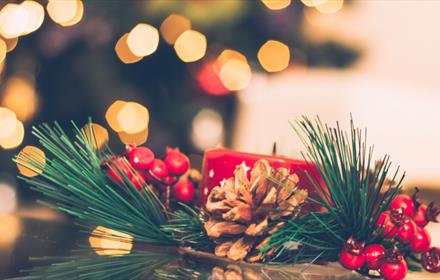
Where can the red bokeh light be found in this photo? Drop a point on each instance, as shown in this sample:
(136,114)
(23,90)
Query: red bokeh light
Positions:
(209,80)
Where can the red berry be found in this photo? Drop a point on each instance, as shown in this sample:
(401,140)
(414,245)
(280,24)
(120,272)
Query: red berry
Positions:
(159,169)
(184,191)
(431,260)
(351,261)
(170,180)
(406,231)
(394,270)
(129,148)
(384,221)
(374,254)
(420,216)
(141,158)
(177,162)
(118,167)
(405,203)
(138,181)
(421,240)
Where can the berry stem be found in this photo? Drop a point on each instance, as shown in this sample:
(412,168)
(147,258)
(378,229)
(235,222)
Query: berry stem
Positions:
(162,181)
(167,197)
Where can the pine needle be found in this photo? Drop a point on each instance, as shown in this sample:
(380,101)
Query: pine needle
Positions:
(73,179)
(355,190)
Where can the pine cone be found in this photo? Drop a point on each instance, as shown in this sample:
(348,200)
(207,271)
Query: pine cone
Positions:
(243,214)
(234,272)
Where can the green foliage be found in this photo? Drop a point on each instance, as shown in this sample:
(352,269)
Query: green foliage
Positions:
(84,265)
(354,191)
(187,227)
(73,180)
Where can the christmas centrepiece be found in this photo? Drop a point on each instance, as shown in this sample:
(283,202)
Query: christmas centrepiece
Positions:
(338,205)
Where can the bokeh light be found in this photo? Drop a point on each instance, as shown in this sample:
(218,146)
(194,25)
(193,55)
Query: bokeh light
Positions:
(133,117)
(79,12)
(329,6)
(190,46)
(274,56)
(112,114)
(276,4)
(135,139)
(11,129)
(8,200)
(96,135)
(143,39)
(9,230)
(235,74)
(35,15)
(65,13)
(173,26)
(3,50)
(130,120)
(14,20)
(207,129)
(311,3)
(209,80)
(31,161)
(227,55)
(19,95)
(233,70)
(123,51)
(108,242)
(7,123)
(11,43)
(15,139)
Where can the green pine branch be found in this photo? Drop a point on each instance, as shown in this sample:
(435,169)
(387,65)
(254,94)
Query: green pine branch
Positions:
(85,264)
(72,178)
(187,227)
(355,190)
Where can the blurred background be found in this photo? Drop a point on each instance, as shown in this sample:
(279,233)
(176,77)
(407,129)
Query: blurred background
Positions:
(211,72)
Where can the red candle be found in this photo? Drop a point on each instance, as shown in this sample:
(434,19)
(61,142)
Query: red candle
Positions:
(219,164)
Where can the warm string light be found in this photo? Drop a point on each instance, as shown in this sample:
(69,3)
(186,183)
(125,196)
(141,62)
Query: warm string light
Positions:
(274,56)
(8,200)
(3,50)
(96,135)
(324,6)
(209,80)
(20,96)
(229,72)
(207,129)
(11,129)
(329,6)
(190,46)
(276,4)
(130,120)
(233,70)
(9,231)
(143,40)
(135,139)
(31,161)
(10,43)
(173,26)
(123,51)
(108,242)
(20,19)
(65,12)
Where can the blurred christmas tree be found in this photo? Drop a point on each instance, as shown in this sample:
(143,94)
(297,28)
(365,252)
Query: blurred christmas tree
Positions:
(78,66)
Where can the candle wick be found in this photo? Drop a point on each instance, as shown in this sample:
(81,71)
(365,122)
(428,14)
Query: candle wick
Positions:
(274,149)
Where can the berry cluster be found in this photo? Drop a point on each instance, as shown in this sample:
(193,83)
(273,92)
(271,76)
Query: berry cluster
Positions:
(142,168)
(402,230)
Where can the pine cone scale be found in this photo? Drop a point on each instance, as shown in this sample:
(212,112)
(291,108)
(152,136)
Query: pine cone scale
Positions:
(243,213)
